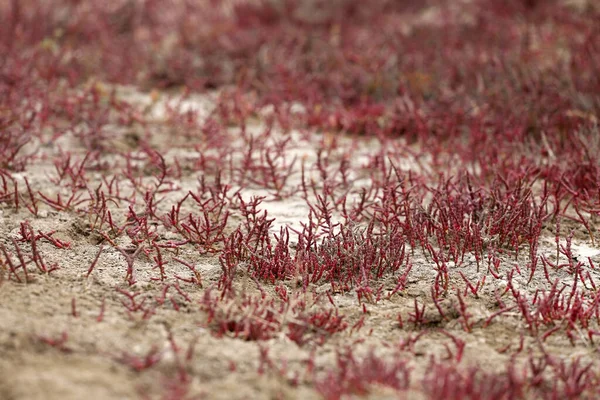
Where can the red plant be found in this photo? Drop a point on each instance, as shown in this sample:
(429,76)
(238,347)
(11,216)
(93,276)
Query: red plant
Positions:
(58,342)
(139,364)
(437,141)
(356,376)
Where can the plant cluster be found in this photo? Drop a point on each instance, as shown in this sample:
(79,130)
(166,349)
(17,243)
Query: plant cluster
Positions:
(424,144)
